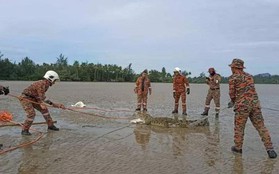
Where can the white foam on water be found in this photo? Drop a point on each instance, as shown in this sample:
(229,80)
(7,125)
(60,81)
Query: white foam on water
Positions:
(79,104)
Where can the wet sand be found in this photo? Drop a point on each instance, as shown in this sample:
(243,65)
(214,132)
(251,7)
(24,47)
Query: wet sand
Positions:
(88,144)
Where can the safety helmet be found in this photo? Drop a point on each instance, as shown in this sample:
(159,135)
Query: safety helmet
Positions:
(176,69)
(51,76)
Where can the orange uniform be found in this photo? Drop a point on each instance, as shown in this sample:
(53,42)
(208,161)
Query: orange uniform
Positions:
(143,86)
(180,84)
(36,93)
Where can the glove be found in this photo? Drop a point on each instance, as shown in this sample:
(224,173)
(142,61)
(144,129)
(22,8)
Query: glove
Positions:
(173,94)
(48,102)
(62,106)
(57,105)
(230,104)
(6,90)
(188,90)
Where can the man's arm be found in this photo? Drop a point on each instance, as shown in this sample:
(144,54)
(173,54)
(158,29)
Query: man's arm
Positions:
(232,92)
(187,85)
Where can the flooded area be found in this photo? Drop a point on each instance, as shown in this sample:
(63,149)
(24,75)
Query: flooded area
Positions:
(90,144)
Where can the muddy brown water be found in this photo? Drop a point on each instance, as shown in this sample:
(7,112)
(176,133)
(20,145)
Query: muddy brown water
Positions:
(88,144)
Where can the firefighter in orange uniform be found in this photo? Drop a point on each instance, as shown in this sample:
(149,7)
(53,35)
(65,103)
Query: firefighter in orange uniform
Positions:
(142,88)
(33,97)
(180,88)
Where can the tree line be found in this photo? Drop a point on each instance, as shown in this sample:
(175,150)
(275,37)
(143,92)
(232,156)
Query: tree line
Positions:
(28,70)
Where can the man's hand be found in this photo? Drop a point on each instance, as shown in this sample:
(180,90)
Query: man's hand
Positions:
(5,90)
(62,106)
(230,104)
(207,78)
(173,94)
(43,106)
(188,91)
(58,105)
(135,89)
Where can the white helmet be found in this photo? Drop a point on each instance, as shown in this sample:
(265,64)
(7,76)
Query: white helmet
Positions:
(51,76)
(177,70)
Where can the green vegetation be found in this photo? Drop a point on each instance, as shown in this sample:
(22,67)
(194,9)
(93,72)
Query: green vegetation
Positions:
(28,70)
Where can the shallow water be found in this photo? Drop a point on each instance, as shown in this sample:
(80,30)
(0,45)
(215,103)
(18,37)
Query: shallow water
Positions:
(88,144)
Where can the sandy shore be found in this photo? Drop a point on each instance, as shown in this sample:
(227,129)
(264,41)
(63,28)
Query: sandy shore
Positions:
(88,144)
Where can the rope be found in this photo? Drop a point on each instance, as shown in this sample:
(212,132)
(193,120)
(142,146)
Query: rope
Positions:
(31,101)
(270,109)
(111,132)
(77,108)
(98,115)
(105,110)
(7,119)
(23,144)
(70,109)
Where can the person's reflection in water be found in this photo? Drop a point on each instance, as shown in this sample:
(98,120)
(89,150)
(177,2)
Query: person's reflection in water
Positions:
(179,135)
(212,149)
(178,140)
(268,167)
(142,135)
(173,136)
(238,165)
(34,158)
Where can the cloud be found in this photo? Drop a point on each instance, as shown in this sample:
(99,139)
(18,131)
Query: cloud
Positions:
(258,44)
(148,33)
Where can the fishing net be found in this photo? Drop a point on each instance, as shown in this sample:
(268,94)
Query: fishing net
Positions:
(6,116)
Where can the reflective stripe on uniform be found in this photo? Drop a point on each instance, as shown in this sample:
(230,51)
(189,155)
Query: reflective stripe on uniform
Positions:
(46,114)
(30,119)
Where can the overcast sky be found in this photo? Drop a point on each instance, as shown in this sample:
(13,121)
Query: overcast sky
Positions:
(191,34)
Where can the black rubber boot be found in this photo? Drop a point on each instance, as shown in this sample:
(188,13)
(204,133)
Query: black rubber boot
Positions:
(205,113)
(217,114)
(144,110)
(184,113)
(53,128)
(25,132)
(234,149)
(174,111)
(138,109)
(1,145)
(271,153)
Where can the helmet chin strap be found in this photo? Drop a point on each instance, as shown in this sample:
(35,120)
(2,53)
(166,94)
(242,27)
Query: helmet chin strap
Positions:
(50,81)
